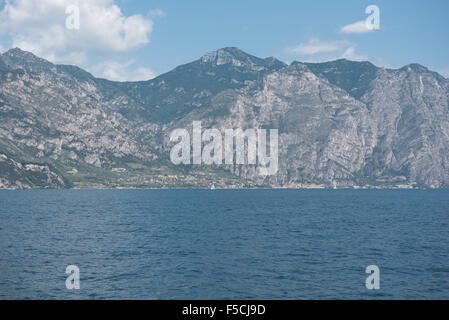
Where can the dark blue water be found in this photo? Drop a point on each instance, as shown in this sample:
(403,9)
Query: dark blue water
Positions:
(201,244)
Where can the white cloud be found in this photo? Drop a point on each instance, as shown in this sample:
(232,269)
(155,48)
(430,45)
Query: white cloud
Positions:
(316,50)
(351,55)
(118,71)
(39,26)
(356,27)
(1,48)
(315,46)
(156,13)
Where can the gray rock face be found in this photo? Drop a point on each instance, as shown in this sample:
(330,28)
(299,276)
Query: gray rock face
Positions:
(340,123)
(24,176)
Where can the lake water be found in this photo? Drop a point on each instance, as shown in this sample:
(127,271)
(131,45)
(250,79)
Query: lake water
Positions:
(224,244)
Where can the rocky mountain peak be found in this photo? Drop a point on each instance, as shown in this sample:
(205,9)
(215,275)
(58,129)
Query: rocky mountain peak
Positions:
(234,57)
(415,67)
(352,76)
(273,62)
(20,55)
(418,70)
(17,58)
(17,52)
(222,56)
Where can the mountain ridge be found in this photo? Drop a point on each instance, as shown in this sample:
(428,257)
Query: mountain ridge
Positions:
(413,65)
(341,123)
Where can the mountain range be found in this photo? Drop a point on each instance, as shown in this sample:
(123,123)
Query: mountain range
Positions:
(341,124)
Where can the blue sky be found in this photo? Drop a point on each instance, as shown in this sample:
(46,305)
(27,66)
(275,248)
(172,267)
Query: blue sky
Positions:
(176,32)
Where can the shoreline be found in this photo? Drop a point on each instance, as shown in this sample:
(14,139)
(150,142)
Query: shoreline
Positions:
(221,189)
